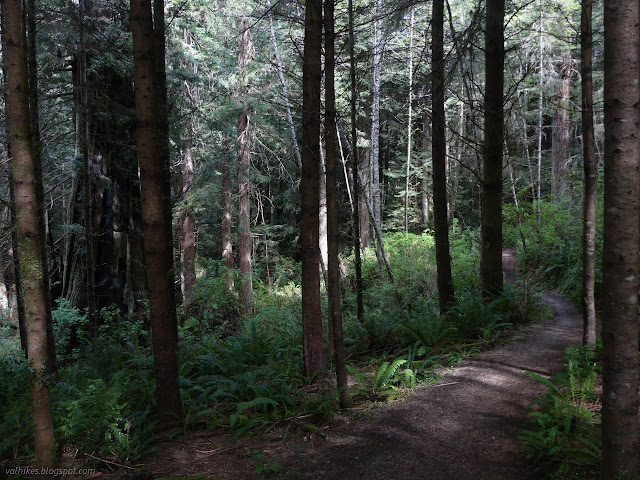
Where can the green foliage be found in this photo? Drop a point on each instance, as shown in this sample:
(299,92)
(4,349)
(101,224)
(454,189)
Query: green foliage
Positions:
(563,436)
(264,467)
(553,247)
(16,427)
(474,318)
(214,306)
(71,329)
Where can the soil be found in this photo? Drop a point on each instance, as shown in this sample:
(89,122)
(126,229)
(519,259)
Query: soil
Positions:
(464,427)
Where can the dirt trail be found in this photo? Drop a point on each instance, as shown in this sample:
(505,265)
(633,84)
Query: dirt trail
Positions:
(463,428)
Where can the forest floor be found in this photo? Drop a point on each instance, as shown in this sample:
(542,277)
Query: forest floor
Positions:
(464,427)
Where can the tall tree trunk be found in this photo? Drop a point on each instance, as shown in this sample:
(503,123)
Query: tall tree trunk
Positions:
(32,62)
(155,203)
(562,133)
(620,262)
(29,231)
(491,215)
(590,197)
(540,112)
(227,209)
(354,168)
(333,287)
(312,333)
(160,76)
(375,131)
(439,156)
(244,157)
(15,247)
(409,128)
(187,230)
(83,144)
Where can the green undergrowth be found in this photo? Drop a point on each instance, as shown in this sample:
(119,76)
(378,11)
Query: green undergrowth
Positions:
(562,438)
(246,376)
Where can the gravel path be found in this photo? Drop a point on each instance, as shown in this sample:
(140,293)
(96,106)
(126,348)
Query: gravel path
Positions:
(464,428)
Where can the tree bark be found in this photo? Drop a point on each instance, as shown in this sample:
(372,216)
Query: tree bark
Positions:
(590,196)
(562,134)
(620,262)
(439,156)
(312,332)
(227,209)
(83,150)
(354,168)
(32,66)
(187,232)
(155,204)
(29,231)
(15,247)
(491,214)
(375,131)
(333,274)
(244,157)
(409,127)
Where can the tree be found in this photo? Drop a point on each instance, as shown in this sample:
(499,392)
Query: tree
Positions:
(155,203)
(244,156)
(620,262)
(312,334)
(439,152)
(491,214)
(333,268)
(354,167)
(28,222)
(590,197)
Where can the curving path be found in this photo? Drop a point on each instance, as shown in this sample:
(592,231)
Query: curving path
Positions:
(464,428)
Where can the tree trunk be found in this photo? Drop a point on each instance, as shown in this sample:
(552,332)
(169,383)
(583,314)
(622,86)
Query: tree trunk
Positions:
(15,248)
(36,145)
(375,131)
(409,128)
(187,232)
(33,279)
(540,112)
(491,214)
(562,134)
(590,196)
(244,159)
(82,128)
(333,287)
(155,204)
(620,262)
(312,332)
(439,156)
(227,208)
(354,168)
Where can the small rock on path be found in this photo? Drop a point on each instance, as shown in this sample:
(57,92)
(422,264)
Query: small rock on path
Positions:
(464,428)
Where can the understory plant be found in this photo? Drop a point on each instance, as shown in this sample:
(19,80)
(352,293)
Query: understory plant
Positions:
(562,437)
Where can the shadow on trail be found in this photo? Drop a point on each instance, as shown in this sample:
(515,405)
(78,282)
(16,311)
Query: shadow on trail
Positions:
(464,428)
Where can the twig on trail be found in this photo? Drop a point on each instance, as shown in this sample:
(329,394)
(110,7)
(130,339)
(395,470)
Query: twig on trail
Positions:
(445,384)
(109,462)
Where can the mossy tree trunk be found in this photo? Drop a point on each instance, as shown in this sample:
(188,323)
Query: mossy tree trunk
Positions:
(28,222)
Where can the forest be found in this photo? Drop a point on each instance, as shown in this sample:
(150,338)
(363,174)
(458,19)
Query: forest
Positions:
(248,220)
